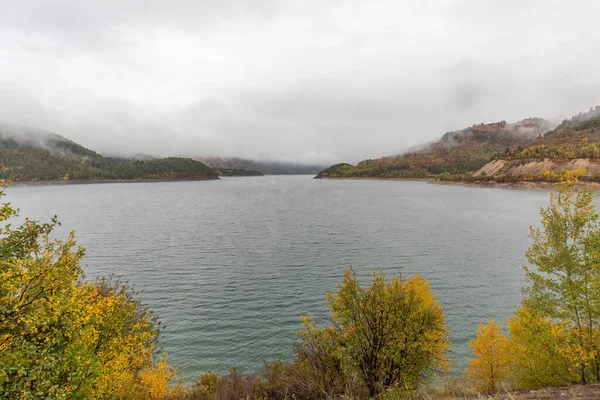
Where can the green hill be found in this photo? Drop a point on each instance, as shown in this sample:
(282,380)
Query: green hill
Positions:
(33,155)
(457,152)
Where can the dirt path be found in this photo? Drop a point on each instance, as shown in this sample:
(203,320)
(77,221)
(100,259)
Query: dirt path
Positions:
(579,392)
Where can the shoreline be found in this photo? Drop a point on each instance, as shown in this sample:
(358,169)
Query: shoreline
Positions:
(497,185)
(103,181)
(514,185)
(481,184)
(368,178)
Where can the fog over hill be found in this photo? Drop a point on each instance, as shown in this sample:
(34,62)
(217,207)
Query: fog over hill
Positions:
(33,155)
(315,82)
(267,167)
(28,135)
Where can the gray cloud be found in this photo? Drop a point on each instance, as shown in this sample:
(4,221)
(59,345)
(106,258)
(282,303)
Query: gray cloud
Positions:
(311,81)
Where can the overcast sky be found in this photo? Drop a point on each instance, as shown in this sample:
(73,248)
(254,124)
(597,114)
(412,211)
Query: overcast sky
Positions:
(323,80)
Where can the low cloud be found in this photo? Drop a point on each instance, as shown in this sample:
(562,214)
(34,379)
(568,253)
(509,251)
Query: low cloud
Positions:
(325,81)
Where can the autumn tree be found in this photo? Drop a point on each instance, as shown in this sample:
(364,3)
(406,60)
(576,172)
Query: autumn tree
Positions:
(389,334)
(491,362)
(61,337)
(564,271)
(122,336)
(545,351)
(40,321)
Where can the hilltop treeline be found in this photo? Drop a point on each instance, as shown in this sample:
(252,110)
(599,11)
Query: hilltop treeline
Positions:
(50,157)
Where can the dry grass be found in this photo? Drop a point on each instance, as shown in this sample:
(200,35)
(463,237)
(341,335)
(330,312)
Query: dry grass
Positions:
(575,392)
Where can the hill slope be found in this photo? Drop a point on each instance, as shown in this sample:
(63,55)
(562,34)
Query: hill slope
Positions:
(457,152)
(33,155)
(574,145)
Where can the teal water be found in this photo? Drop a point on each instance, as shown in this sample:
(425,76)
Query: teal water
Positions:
(229,266)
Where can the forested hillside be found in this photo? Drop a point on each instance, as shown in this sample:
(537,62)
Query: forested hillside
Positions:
(31,155)
(577,137)
(572,147)
(457,152)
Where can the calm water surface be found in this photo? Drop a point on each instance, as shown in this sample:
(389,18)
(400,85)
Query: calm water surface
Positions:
(229,266)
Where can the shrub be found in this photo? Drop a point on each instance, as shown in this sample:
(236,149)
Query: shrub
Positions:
(390,334)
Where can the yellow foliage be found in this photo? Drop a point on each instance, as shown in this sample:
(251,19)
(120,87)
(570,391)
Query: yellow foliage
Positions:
(402,318)
(545,352)
(564,279)
(491,363)
(60,337)
(155,380)
(122,335)
(564,176)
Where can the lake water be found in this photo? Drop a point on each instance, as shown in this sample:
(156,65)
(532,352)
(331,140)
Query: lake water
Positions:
(230,265)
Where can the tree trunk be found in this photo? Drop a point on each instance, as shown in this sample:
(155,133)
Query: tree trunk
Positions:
(372,389)
(582,374)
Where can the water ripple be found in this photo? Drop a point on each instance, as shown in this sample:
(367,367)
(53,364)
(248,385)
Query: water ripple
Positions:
(230,266)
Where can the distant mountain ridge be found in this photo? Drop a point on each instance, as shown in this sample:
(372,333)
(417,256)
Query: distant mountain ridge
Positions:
(456,152)
(265,167)
(28,154)
(236,172)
